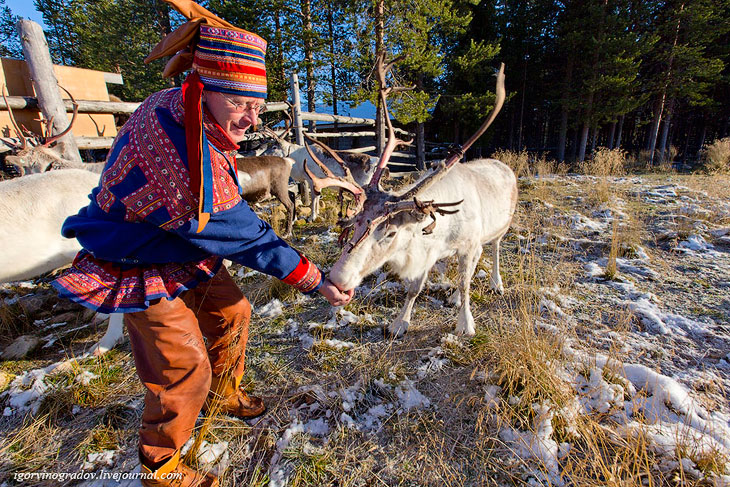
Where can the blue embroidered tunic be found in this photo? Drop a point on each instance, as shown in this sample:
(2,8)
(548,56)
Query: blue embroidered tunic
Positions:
(139,232)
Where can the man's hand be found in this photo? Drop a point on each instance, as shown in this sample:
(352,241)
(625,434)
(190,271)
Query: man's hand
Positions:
(334,295)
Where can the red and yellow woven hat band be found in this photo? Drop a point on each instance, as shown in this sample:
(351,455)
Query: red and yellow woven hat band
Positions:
(231,61)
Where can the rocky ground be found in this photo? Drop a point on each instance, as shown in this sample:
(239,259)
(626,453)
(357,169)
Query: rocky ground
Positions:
(606,361)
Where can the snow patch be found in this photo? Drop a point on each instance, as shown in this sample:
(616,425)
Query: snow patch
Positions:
(272,309)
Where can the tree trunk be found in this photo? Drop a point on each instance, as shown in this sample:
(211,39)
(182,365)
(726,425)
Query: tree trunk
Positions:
(278,39)
(562,135)
(309,59)
(703,134)
(686,143)
(594,140)
(45,84)
(611,133)
(380,48)
(420,134)
(665,133)
(420,147)
(573,146)
(586,127)
(583,142)
(617,145)
(333,71)
(654,128)
(511,128)
(522,105)
(663,97)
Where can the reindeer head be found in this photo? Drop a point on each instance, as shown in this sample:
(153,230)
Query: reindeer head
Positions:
(33,153)
(382,223)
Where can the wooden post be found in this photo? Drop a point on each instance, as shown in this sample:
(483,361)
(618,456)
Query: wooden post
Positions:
(296,103)
(35,50)
(303,187)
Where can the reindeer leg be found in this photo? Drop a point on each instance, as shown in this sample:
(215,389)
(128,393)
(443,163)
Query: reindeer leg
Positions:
(281,191)
(467,265)
(289,205)
(495,280)
(315,207)
(304,193)
(400,326)
(114,335)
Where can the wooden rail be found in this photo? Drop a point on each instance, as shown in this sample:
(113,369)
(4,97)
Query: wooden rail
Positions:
(88,106)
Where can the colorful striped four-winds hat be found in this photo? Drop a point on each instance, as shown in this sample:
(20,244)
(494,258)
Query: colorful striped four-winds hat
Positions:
(223,58)
(226,58)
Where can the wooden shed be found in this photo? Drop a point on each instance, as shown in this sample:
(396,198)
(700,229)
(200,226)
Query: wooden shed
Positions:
(83,84)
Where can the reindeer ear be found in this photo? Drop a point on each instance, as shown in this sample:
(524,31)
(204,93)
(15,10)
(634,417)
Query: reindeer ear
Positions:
(408,217)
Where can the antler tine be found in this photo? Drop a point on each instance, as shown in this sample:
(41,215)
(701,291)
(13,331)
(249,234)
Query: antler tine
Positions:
(332,181)
(317,161)
(51,140)
(23,142)
(269,131)
(444,167)
(287,124)
(328,150)
(382,69)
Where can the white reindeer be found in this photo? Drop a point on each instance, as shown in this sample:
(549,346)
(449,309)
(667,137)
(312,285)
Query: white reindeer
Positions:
(354,167)
(401,228)
(32,211)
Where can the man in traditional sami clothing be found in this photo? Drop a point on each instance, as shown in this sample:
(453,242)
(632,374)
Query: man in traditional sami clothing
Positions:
(167,210)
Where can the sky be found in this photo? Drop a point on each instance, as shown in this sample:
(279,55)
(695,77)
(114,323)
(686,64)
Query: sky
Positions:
(25,9)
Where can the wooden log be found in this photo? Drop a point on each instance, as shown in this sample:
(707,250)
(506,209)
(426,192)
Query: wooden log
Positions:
(324,117)
(92,106)
(318,135)
(369,148)
(315,135)
(91,143)
(85,106)
(35,50)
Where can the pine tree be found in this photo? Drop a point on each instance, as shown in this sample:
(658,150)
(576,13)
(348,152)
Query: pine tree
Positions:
(9,42)
(679,69)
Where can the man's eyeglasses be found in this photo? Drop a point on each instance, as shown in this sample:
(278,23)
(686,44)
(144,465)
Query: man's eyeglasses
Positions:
(243,107)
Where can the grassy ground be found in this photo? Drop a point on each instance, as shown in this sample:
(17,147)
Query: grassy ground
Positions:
(511,376)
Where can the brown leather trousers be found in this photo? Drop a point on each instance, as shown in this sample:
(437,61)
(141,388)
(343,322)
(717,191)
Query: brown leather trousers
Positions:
(174,362)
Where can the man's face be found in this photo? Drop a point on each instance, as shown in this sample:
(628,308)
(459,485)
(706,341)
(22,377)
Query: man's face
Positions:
(234,113)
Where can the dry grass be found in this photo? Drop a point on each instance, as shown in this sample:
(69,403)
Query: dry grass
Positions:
(610,272)
(605,162)
(457,441)
(524,164)
(717,156)
(33,446)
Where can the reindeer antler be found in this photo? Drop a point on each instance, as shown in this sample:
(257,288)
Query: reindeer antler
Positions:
(409,201)
(382,69)
(441,170)
(51,140)
(331,180)
(23,141)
